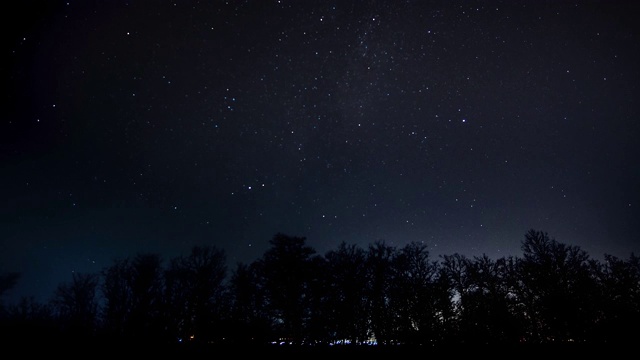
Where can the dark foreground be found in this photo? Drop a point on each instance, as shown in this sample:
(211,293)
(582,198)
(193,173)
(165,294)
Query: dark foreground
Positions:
(103,350)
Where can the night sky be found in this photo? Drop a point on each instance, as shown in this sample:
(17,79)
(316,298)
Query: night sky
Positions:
(155,126)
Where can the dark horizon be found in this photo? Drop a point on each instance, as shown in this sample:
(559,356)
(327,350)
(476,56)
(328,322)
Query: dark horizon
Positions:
(11,297)
(553,298)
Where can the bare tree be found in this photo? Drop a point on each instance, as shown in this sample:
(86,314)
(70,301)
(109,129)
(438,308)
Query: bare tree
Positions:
(250,316)
(380,276)
(287,268)
(76,305)
(346,293)
(195,293)
(556,290)
(133,290)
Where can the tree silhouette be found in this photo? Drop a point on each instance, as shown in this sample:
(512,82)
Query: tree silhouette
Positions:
(413,294)
(553,294)
(29,323)
(287,272)
(487,315)
(619,282)
(249,312)
(133,294)
(557,289)
(454,273)
(346,294)
(117,298)
(318,328)
(380,258)
(76,306)
(195,293)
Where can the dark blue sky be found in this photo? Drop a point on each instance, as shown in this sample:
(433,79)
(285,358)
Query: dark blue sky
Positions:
(155,126)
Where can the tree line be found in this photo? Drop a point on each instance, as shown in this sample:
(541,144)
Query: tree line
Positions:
(380,294)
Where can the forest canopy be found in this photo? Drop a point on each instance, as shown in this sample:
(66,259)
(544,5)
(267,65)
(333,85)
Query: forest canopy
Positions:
(378,295)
